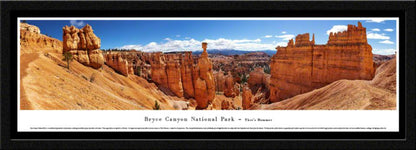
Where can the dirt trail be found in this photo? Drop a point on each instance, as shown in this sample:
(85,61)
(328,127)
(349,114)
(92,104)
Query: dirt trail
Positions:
(25,59)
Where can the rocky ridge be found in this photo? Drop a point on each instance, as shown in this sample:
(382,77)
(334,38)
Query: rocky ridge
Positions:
(31,40)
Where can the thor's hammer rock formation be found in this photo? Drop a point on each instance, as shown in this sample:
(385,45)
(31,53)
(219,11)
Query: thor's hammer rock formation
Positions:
(204,80)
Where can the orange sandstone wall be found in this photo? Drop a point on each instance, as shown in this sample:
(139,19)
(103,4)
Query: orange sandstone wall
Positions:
(186,75)
(176,74)
(32,41)
(303,66)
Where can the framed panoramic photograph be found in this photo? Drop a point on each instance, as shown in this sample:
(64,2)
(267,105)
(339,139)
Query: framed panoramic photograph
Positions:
(190,75)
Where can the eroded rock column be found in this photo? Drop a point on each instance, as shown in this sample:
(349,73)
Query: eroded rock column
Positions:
(204,80)
(84,45)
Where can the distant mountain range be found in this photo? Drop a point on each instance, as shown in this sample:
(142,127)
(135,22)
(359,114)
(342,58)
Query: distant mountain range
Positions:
(234,52)
(215,51)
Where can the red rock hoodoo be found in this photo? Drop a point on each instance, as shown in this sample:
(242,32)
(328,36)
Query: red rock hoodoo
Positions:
(186,74)
(204,80)
(229,89)
(173,73)
(158,69)
(246,97)
(303,66)
(219,80)
(84,45)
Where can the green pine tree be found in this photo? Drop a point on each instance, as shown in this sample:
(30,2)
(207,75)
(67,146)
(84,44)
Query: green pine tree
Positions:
(67,58)
(157,106)
(243,79)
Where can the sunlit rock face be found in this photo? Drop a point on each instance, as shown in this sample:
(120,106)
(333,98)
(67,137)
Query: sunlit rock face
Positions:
(32,41)
(219,80)
(84,45)
(173,72)
(230,90)
(302,66)
(186,74)
(246,97)
(118,63)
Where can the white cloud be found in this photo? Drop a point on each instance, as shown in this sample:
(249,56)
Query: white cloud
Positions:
(187,38)
(375,29)
(337,28)
(286,36)
(77,23)
(388,30)
(386,42)
(195,45)
(376,20)
(268,36)
(281,44)
(284,32)
(384,51)
(377,36)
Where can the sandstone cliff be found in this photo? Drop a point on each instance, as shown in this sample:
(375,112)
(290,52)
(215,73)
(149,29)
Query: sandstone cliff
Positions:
(177,74)
(32,41)
(303,66)
(173,73)
(84,45)
(116,62)
(186,74)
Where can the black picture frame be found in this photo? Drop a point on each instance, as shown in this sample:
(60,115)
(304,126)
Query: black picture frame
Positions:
(11,139)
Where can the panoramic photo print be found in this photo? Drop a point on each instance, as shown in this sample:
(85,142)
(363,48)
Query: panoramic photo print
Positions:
(208,64)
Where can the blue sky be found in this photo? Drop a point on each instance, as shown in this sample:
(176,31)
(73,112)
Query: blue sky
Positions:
(179,35)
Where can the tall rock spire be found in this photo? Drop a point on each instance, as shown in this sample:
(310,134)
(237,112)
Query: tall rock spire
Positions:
(204,46)
(313,39)
(204,80)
